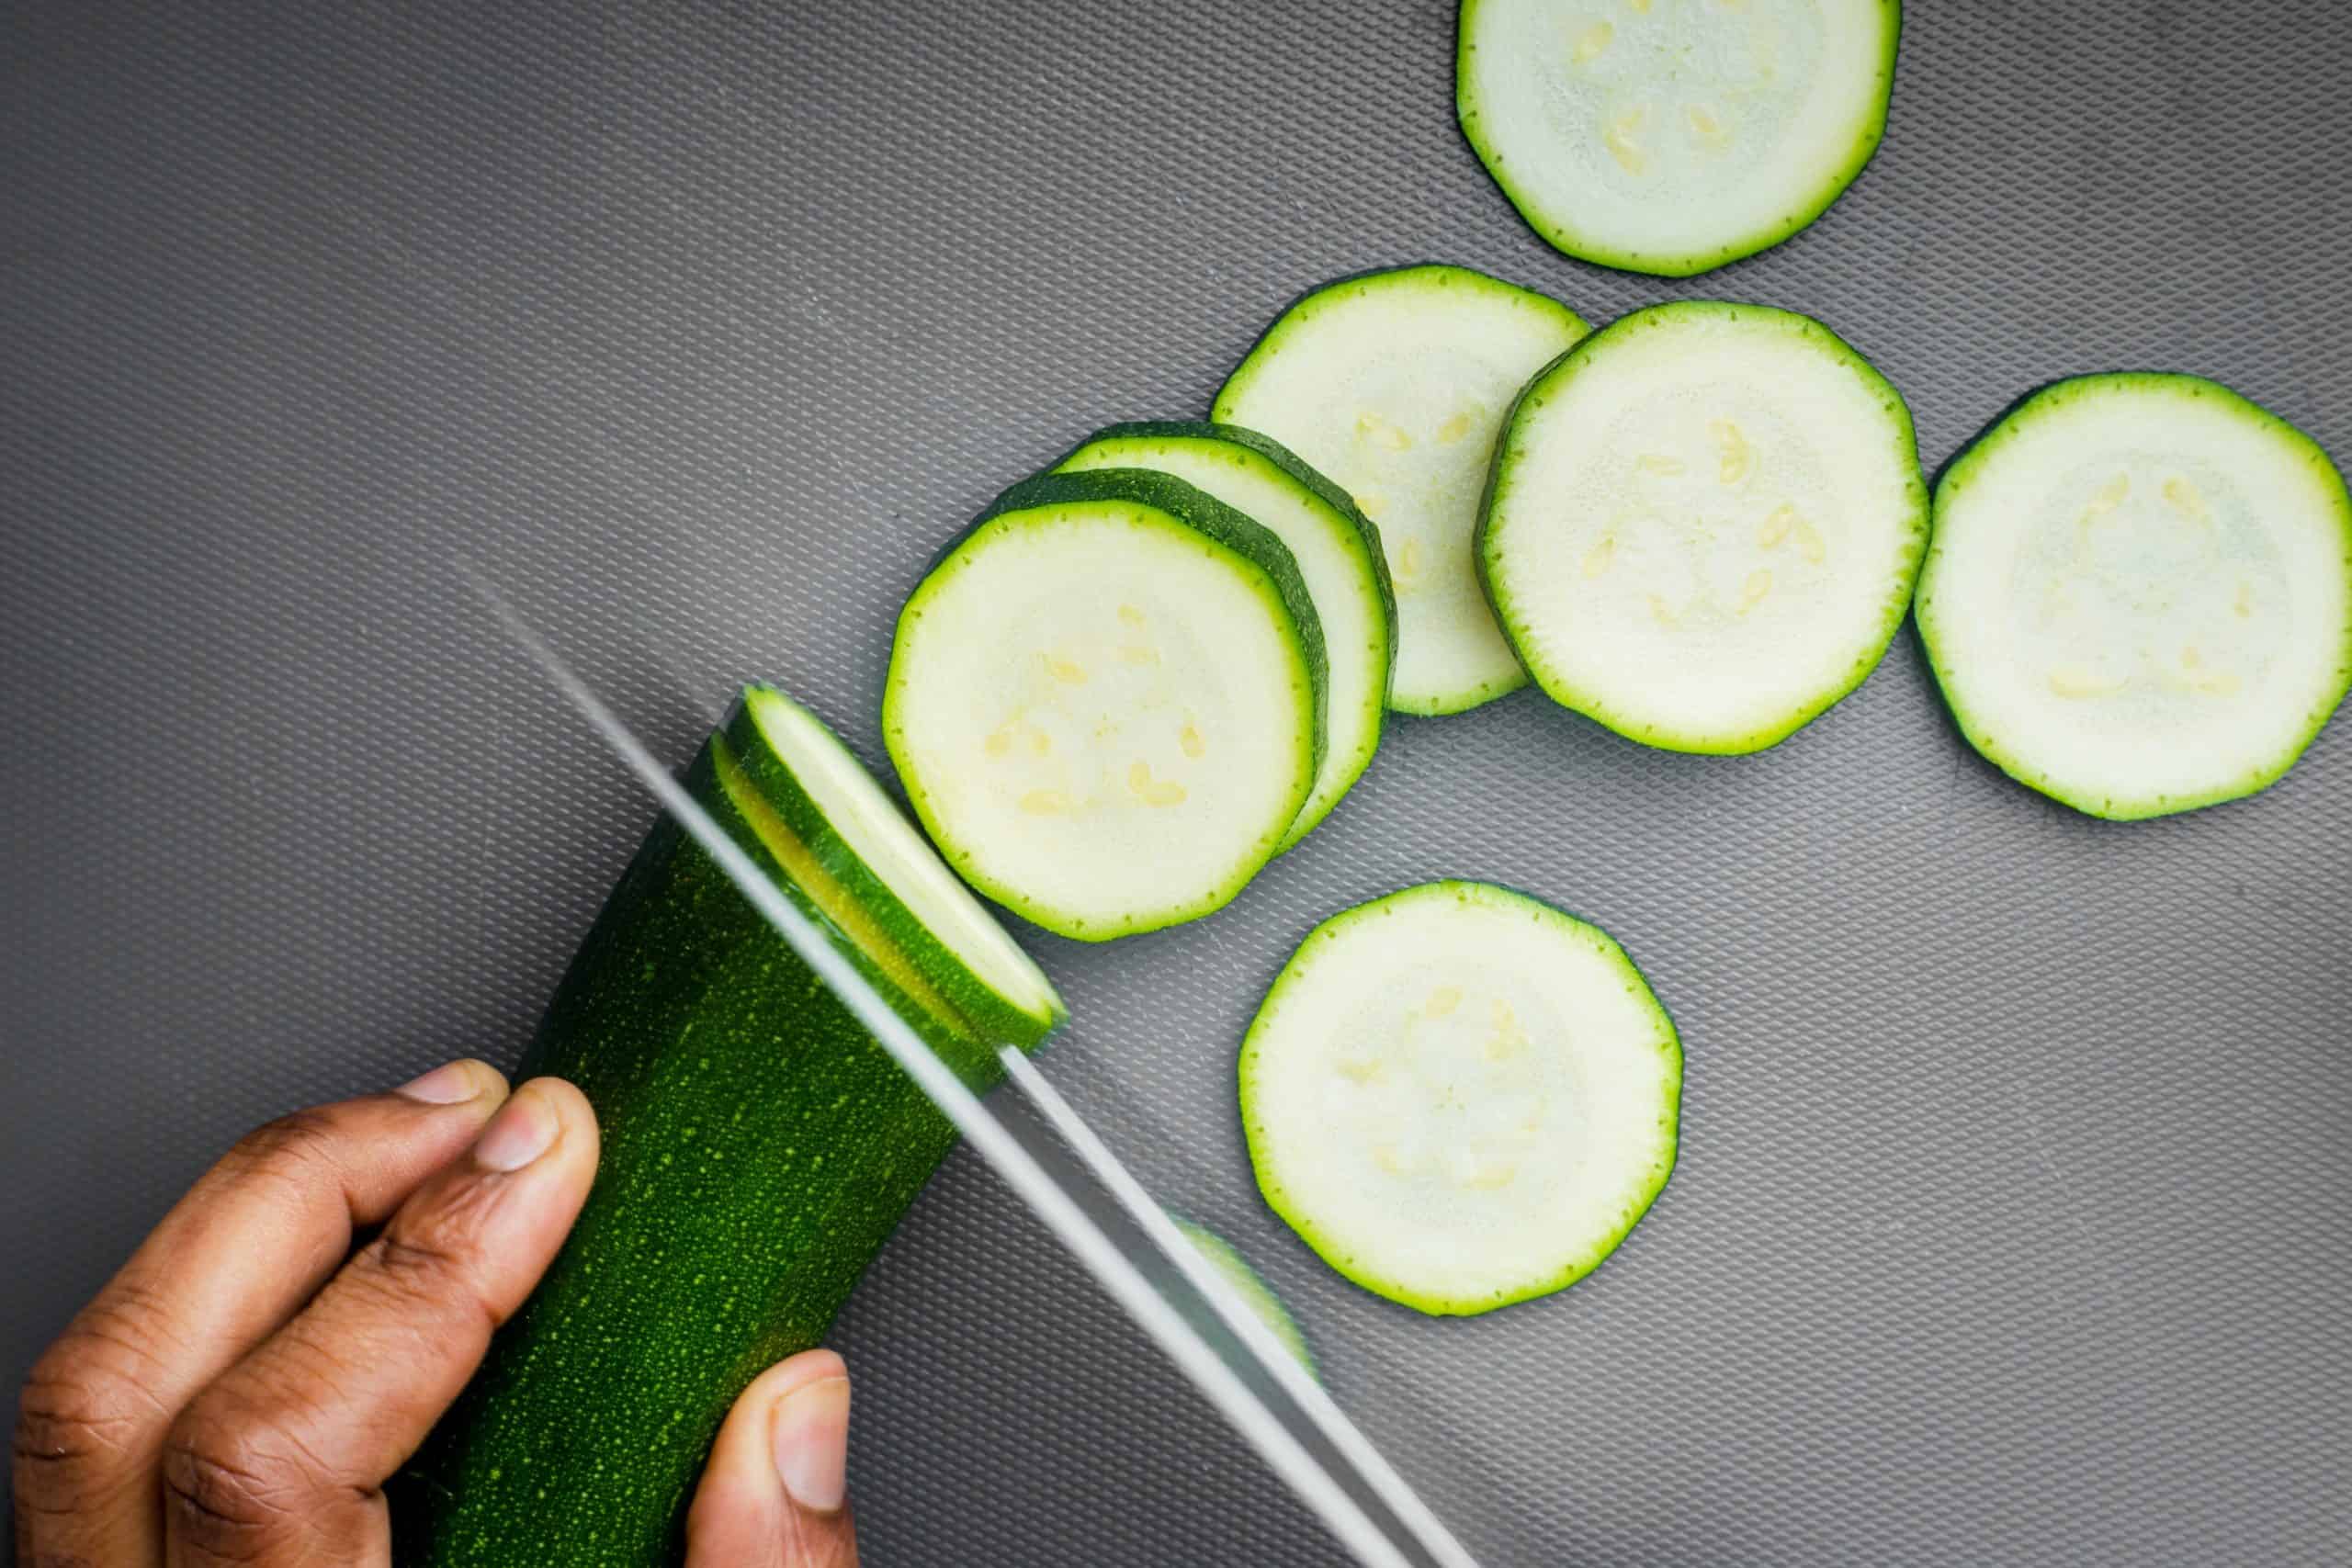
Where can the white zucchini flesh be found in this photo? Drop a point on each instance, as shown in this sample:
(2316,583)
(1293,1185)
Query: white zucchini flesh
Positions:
(1106,721)
(1395,384)
(872,828)
(1461,1097)
(1337,554)
(2139,599)
(1705,524)
(1671,135)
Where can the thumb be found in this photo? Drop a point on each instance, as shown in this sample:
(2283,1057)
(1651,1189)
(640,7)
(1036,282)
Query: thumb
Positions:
(773,1496)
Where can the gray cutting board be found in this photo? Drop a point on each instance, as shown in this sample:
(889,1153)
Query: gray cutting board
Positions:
(2014,1217)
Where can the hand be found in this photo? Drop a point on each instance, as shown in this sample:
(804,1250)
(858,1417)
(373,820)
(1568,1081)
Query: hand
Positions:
(241,1390)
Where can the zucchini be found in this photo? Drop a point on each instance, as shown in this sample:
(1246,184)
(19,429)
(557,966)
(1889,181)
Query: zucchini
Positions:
(1226,1259)
(834,830)
(1106,701)
(758,1146)
(1672,137)
(1461,1097)
(2139,598)
(1703,524)
(1395,384)
(1337,551)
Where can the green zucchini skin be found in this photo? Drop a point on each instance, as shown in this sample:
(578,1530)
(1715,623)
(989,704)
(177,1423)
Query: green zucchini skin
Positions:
(759,1147)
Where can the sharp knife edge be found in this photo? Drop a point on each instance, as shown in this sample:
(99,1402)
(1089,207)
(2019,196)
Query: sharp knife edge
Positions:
(1236,1314)
(1248,1414)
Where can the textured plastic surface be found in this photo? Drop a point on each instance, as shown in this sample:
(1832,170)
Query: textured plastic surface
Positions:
(2014,1221)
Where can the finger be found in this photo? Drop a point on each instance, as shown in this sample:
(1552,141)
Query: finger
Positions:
(279,1462)
(233,1260)
(773,1496)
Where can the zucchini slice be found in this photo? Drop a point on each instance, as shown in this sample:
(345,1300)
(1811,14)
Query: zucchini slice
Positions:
(867,870)
(759,1147)
(1671,135)
(1338,553)
(1703,524)
(1461,1097)
(1226,1259)
(2139,599)
(1395,384)
(1106,701)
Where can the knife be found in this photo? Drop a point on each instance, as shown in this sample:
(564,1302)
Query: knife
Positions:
(1280,1411)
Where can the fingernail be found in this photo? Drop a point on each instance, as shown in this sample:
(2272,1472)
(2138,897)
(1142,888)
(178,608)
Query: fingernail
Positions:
(812,1443)
(519,1134)
(449,1085)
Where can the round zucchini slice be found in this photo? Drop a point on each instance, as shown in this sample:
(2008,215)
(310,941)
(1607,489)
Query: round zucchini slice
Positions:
(1672,136)
(1338,553)
(1703,524)
(1106,702)
(1461,1097)
(1394,384)
(2139,598)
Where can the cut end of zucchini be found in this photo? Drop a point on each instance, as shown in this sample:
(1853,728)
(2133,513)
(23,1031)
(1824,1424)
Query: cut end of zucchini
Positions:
(1461,1097)
(1339,555)
(2139,598)
(1703,524)
(1395,384)
(844,842)
(1672,138)
(1106,702)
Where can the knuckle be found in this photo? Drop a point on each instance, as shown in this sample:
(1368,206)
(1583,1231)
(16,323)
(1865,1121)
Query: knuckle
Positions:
(87,1406)
(69,1431)
(430,1269)
(231,1480)
(301,1150)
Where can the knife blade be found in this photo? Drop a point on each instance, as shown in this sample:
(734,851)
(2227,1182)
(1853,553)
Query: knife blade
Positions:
(1340,1477)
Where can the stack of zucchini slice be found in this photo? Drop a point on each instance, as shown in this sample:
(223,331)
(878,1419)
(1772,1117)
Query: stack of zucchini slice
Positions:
(1136,679)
